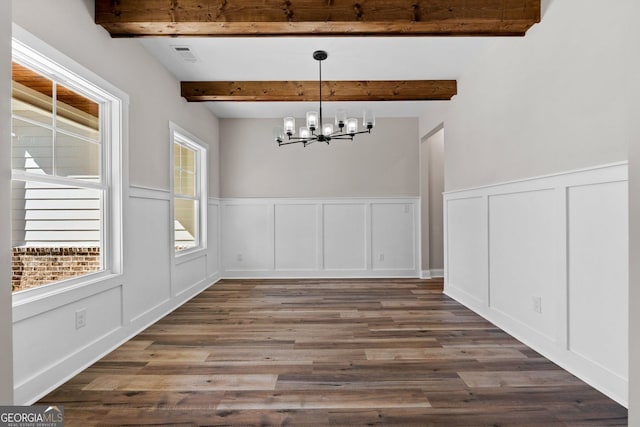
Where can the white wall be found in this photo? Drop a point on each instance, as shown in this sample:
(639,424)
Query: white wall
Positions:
(634,261)
(549,102)
(382,164)
(546,259)
(6,355)
(48,348)
(360,237)
(633,136)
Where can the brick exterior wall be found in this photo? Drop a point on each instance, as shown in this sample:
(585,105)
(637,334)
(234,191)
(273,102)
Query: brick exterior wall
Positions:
(32,267)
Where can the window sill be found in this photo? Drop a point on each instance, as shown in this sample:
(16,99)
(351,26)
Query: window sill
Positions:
(189,255)
(37,300)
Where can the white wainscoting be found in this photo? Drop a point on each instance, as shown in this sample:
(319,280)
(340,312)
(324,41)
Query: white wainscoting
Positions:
(48,349)
(546,259)
(320,238)
(147,239)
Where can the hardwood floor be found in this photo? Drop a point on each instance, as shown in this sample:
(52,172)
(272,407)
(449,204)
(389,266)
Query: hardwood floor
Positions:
(329,352)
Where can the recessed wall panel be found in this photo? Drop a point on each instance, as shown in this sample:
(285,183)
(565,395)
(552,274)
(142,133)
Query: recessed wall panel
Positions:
(189,273)
(147,259)
(213,239)
(296,236)
(42,341)
(467,247)
(598,274)
(344,237)
(523,258)
(393,236)
(247,236)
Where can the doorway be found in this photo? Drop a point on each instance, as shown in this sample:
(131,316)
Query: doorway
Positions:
(431,189)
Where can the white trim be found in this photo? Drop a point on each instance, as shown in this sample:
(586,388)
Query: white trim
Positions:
(432,273)
(142,192)
(496,185)
(325,274)
(183,137)
(64,67)
(432,132)
(26,306)
(43,58)
(307,200)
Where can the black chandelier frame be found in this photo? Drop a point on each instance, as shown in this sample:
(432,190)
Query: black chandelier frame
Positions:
(321,55)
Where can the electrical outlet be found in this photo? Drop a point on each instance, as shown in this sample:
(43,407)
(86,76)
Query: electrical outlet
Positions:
(81,318)
(239,257)
(381,257)
(537,304)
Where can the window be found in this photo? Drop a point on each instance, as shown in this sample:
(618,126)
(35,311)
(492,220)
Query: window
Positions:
(65,143)
(189,191)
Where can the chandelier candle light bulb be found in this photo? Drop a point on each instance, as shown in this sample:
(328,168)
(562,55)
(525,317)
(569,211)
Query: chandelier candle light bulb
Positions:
(346,128)
(369,120)
(289,125)
(312,120)
(352,126)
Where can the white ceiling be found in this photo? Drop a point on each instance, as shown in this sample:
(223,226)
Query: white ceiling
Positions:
(363,58)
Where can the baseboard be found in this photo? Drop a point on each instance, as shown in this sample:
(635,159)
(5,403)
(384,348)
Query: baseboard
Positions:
(432,273)
(315,274)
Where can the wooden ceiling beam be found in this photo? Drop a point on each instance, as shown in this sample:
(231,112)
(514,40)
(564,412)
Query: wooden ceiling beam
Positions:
(301,91)
(228,18)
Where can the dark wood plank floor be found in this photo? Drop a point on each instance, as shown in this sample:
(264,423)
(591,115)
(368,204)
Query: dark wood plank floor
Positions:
(329,352)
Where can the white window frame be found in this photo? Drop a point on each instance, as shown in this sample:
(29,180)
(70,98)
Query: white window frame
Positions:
(202,153)
(44,59)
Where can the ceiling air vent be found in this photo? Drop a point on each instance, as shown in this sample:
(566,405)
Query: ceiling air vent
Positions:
(185,53)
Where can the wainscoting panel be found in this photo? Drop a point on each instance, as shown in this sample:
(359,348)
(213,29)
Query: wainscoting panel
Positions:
(345,240)
(213,237)
(296,237)
(598,275)
(44,343)
(247,236)
(147,236)
(466,248)
(522,258)
(546,259)
(320,237)
(189,273)
(393,226)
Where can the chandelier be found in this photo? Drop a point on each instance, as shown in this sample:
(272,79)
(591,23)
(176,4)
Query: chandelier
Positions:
(316,129)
